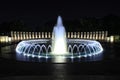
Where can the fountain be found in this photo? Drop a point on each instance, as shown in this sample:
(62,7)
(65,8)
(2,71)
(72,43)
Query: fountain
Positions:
(59,45)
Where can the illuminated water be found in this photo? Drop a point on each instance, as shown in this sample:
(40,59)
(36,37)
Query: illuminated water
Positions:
(59,46)
(111,52)
(92,66)
(59,41)
(45,50)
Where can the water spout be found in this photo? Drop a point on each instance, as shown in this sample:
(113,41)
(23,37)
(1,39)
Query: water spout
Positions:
(59,43)
(59,22)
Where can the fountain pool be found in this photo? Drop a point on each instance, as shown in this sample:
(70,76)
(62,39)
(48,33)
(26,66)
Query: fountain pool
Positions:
(59,45)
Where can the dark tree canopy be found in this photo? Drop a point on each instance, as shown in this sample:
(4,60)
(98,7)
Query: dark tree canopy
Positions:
(110,23)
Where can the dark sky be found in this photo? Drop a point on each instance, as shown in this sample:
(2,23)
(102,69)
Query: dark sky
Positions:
(36,13)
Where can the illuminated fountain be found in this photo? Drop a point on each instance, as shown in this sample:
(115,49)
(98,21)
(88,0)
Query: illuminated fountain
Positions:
(59,45)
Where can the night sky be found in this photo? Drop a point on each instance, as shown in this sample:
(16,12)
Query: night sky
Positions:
(37,13)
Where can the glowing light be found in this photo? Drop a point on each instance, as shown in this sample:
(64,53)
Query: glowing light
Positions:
(46,57)
(9,39)
(39,56)
(59,39)
(92,47)
(45,34)
(90,35)
(111,39)
(59,59)
(84,35)
(42,34)
(28,55)
(4,39)
(87,35)
(108,39)
(71,34)
(24,54)
(33,56)
(39,35)
(37,47)
(79,56)
(74,34)
(72,57)
(89,54)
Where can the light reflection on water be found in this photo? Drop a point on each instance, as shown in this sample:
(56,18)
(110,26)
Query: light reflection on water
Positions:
(7,51)
(61,71)
(59,59)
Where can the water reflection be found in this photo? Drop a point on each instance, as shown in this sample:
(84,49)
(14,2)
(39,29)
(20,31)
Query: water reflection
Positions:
(7,51)
(59,71)
(59,59)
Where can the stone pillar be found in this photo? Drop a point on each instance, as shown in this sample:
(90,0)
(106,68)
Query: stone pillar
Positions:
(96,37)
(93,35)
(68,35)
(39,35)
(100,35)
(42,34)
(84,35)
(32,35)
(46,35)
(18,36)
(111,39)
(74,34)
(103,37)
(71,34)
(88,35)
(23,35)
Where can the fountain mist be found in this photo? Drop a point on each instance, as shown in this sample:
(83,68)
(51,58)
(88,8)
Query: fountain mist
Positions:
(59,43)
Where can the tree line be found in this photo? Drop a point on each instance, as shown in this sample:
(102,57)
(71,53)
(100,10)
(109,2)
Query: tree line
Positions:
(110,23)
